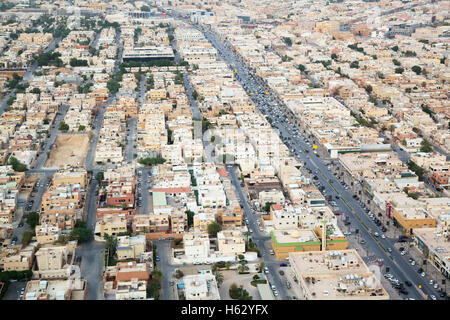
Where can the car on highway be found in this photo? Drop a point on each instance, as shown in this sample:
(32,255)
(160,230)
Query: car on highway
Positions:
(271,252)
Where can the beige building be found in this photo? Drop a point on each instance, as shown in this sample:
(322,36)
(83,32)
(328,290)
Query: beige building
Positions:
(130,247)
(334,275)
(230,242)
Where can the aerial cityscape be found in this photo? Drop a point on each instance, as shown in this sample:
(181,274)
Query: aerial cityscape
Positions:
(224,150)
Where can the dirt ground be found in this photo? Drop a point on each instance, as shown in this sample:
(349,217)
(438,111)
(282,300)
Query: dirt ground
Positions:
(230,277)
(69,149)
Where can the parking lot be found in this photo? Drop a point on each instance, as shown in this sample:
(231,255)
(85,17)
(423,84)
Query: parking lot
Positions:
(15,290)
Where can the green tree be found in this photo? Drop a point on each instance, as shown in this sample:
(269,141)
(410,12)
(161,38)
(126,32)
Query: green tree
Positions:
(74,62)
(35,90)
(113,86)
(190,216)
(82,234)
(399,70)
(243,267)
(63,126)
(354,64)
(287,41)
(214,228)
(157,275)
(151,161)
(195,94)
(426,146)
(153,290)
(301,67)
(110,245)
(33,219)
(261,266)
(239,293)
(26,237)
(219,278)
(416,69)
(267,206)
(17,165)
(81,127)
(99,177)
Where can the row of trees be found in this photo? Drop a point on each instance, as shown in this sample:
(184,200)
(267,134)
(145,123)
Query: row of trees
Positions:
(151,161)
(74,62)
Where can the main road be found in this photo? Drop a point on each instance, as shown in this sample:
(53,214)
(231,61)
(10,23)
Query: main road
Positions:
(398,264)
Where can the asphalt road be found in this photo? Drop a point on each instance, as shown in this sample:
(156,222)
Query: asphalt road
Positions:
(261,239)
(398,264)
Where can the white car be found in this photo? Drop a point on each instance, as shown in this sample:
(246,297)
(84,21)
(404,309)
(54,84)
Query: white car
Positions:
(403,253)
(383,236)
(271,252)
(413,263)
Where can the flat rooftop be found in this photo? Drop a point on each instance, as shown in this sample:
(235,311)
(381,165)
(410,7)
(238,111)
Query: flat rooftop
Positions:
(328,262)
(435,242)
(361,286)
(294,236)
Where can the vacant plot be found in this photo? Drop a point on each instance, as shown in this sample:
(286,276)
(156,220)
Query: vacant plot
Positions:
(230,277)
(69,149)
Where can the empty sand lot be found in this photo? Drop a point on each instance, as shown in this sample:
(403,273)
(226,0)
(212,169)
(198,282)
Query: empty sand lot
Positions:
(69,149)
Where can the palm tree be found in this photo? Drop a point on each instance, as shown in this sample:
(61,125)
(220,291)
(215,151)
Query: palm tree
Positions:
(246,236)
(219,278)
(228,265)
(261,266)
(243,267)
